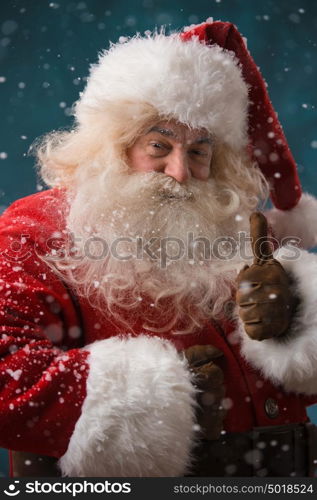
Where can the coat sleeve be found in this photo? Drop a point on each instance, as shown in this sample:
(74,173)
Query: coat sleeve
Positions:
(117,407)
(291,360)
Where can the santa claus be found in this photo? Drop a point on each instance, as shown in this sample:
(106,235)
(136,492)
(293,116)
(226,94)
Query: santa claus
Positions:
(146,329)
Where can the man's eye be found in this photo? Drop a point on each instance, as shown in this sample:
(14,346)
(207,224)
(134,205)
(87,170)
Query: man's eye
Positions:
(157,145)
(198,152)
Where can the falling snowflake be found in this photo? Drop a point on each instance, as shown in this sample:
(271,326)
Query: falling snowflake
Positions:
(14,374)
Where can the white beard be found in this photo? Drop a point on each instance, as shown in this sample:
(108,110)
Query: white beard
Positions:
(184,288)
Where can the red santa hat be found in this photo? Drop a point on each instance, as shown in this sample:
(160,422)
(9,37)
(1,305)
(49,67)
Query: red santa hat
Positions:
(265,133)
(204,77)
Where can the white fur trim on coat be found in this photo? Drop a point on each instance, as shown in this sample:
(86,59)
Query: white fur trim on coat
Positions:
(138,417)
(292,360)
(299,222)
(199,85)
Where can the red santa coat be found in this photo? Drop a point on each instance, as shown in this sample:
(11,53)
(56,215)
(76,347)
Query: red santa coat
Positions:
(74,385)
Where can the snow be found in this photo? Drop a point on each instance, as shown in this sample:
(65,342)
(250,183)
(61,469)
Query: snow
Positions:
(54,333)
(74,332)
(238,218)
(294,18)
(5,41)
(130,21)
(230,469)
(261,445)
(227,403)
(273,157)
(9,27)
(207,399)
(245,286)
(14,374)
(253,457)
(193,19)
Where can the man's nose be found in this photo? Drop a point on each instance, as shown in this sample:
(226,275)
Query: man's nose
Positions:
(177,166)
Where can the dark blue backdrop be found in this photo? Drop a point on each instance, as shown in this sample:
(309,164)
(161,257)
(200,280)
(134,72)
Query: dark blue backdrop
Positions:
(46,48)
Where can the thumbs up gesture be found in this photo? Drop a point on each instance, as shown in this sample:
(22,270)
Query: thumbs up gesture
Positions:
(264,295)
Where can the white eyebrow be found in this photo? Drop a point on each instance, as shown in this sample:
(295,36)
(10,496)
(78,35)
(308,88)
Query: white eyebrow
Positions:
(164,131)
(169,133)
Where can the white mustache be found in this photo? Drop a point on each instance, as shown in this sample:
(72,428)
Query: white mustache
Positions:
(169,189)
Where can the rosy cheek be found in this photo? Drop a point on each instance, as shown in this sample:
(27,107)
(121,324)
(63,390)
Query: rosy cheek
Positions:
(202,174)
(145,167)
(141,162)
(135,159)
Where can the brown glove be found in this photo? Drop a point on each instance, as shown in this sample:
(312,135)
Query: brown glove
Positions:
(208,378)
(265,298)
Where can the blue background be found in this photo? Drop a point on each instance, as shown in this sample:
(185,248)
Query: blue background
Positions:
(46,48)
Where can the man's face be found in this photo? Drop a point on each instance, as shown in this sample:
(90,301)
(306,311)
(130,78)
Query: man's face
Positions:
(165,233)
(174,149)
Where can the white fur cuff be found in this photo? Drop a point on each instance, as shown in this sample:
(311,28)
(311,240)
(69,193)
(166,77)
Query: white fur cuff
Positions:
(300,222)
(138,416)
(292,361)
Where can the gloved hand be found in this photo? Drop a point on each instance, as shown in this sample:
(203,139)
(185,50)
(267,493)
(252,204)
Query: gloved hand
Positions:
(208,378)
(264,295)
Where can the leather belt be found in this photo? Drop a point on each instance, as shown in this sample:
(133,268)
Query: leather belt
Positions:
(275,451)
